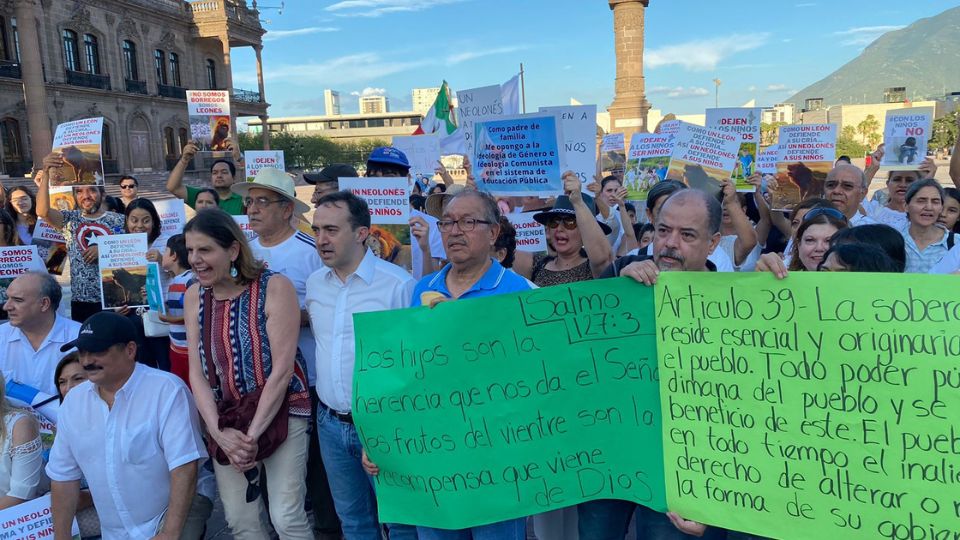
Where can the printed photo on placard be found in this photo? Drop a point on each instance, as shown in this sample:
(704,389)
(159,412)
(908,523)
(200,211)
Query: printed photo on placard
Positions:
(78,143)
(123,270)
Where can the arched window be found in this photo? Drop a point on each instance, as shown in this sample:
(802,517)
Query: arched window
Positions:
(4,49)
(10,136)
(92,53)
(159,64)
(106,142)
(184,137)
(130,69)
(211,74)
(175,69)
(71,52)
(169,144)
(16,39)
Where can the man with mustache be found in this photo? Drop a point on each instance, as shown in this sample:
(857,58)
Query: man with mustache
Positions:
(686,231)
(81,228)
(132,432)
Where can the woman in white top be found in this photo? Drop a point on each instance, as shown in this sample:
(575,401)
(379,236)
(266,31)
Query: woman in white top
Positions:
(892,211)
(926,240)
(21,460)
(738,238)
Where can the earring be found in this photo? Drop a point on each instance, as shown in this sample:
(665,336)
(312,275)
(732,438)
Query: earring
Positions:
(233,270)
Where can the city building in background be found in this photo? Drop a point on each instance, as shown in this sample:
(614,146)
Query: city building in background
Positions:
(423,99)
(343,127)
(374,105)
(331,102)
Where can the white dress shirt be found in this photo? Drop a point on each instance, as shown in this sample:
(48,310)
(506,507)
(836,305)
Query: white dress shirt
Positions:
(376,285)
(126,452)
(35,368)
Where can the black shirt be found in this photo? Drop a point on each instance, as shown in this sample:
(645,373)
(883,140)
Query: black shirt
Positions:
(622,262)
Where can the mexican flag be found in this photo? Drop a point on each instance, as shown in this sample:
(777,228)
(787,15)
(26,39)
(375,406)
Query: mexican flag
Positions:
(439,118)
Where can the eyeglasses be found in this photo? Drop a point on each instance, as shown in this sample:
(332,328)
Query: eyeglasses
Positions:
(127,186)
(464,224)
(824,211)
(568,223)
(261,202)
(253,485)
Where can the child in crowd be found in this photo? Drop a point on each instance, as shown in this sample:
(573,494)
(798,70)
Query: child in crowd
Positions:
(174,262)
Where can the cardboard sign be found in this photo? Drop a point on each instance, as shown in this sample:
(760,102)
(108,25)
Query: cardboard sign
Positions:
(670,127)
(703,158)
(16,260)
(78,142)
(423,153)
(244,223)
(173,216)
(31,520)
(123,270)
(209,114)
(254,160)
(388,198)
(767,159)
(518,156)
(613,152)
(475,105)
(905,136)
(531,235)
(806,155)
(647,163)
(744,121)
(43,231)
(154,286)
(578,151)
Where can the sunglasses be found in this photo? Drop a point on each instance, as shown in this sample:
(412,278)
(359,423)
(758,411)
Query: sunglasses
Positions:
(824,211)
(253,483)
(128,186)
(568,223)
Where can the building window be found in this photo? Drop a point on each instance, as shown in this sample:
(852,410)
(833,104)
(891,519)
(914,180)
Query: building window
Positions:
(175,69)
(211,74)
(71,54)
(16,39)
(4,50)
(106,142)
(158,63)
(169,144)
(184,138)
(130,68)
(92,52)
(10,135)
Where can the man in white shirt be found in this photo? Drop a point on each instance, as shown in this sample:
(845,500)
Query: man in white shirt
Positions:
(30,344)
(846,187)
(353,280)
(132,432)
(272,205)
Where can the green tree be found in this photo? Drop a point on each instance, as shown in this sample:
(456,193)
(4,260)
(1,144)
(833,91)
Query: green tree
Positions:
(313,151)
(867,127)
(770,133)
(848,145)
(945,131)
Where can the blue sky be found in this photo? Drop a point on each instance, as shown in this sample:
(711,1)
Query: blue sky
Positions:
(760,49)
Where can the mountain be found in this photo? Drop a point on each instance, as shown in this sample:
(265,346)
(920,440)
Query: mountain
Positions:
(923,57)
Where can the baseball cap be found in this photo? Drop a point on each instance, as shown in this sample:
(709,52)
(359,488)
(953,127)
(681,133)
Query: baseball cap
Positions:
(273,180)
(101,331)
(330,173)
(389,155)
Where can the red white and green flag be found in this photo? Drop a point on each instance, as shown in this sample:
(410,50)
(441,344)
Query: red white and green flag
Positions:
(439,118)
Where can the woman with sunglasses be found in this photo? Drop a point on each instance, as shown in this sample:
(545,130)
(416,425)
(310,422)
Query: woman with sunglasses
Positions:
(574,234)
(810,243)
(926,240)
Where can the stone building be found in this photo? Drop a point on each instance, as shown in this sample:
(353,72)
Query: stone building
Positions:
(129,61)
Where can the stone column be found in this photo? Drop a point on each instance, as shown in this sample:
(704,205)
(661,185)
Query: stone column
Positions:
(34,88)
(628,112)
(265,134)
(228,71)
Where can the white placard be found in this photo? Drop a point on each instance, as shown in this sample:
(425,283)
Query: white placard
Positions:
(16,260)
(30,520)
(422,151)
(475,105)
(254,160)
(578,128)
(531,235)
(905,136)
(388,198)
(78,142)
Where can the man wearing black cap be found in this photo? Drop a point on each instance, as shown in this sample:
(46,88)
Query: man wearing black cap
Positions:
(327,180)
(132,432)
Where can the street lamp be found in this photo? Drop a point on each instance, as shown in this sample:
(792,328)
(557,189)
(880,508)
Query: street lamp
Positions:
(716,95)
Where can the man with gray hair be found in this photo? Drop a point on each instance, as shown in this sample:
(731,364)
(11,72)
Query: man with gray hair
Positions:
(846,187)
(30,344)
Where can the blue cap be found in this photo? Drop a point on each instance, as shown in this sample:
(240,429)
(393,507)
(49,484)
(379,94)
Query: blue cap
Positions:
(389,155)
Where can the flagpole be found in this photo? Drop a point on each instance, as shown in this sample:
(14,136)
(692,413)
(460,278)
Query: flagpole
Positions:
(523,91)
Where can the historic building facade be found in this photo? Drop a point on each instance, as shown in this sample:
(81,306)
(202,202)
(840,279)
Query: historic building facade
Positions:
(129,61)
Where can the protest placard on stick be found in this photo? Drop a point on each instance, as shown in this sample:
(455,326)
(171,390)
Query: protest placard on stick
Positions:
(805,156)
(702,158)
(647,162)
(78,142)
(745,122)
(518,156)
(208,112)
(905,135)
(254,160)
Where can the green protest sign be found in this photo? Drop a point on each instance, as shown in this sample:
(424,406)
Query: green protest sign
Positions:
(819,406)
(495,408)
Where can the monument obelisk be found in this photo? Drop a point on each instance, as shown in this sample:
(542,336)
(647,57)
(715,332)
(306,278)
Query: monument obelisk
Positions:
(628,112)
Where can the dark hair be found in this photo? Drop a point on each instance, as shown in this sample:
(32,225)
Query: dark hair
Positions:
(610,178)
(714,209)
(233,168)
(661,189)
(177,244)
(357,207)
(145,204)
(31,214)
(417,201)
(223,230)
(920,184)
(845,159)
(129,177)
(807,204)
(640,228)
(10,235)
(820,219)
(507,240)
(954,194)
(860,257)
(211,191)
(113,204)
(440,188)
(882,236)
(49,287)
(386,169)
(630,206)
(71,358)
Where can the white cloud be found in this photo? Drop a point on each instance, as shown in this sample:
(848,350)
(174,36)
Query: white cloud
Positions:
(368,91)
(274,35)
(472,54)
(864,35)
(376,8)
(752,88)
(703,54)
(679,91)
(341,71)
(776,87)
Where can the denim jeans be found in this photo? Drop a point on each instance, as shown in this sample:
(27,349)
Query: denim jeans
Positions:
(512,529)
(608,519)
(350,486)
